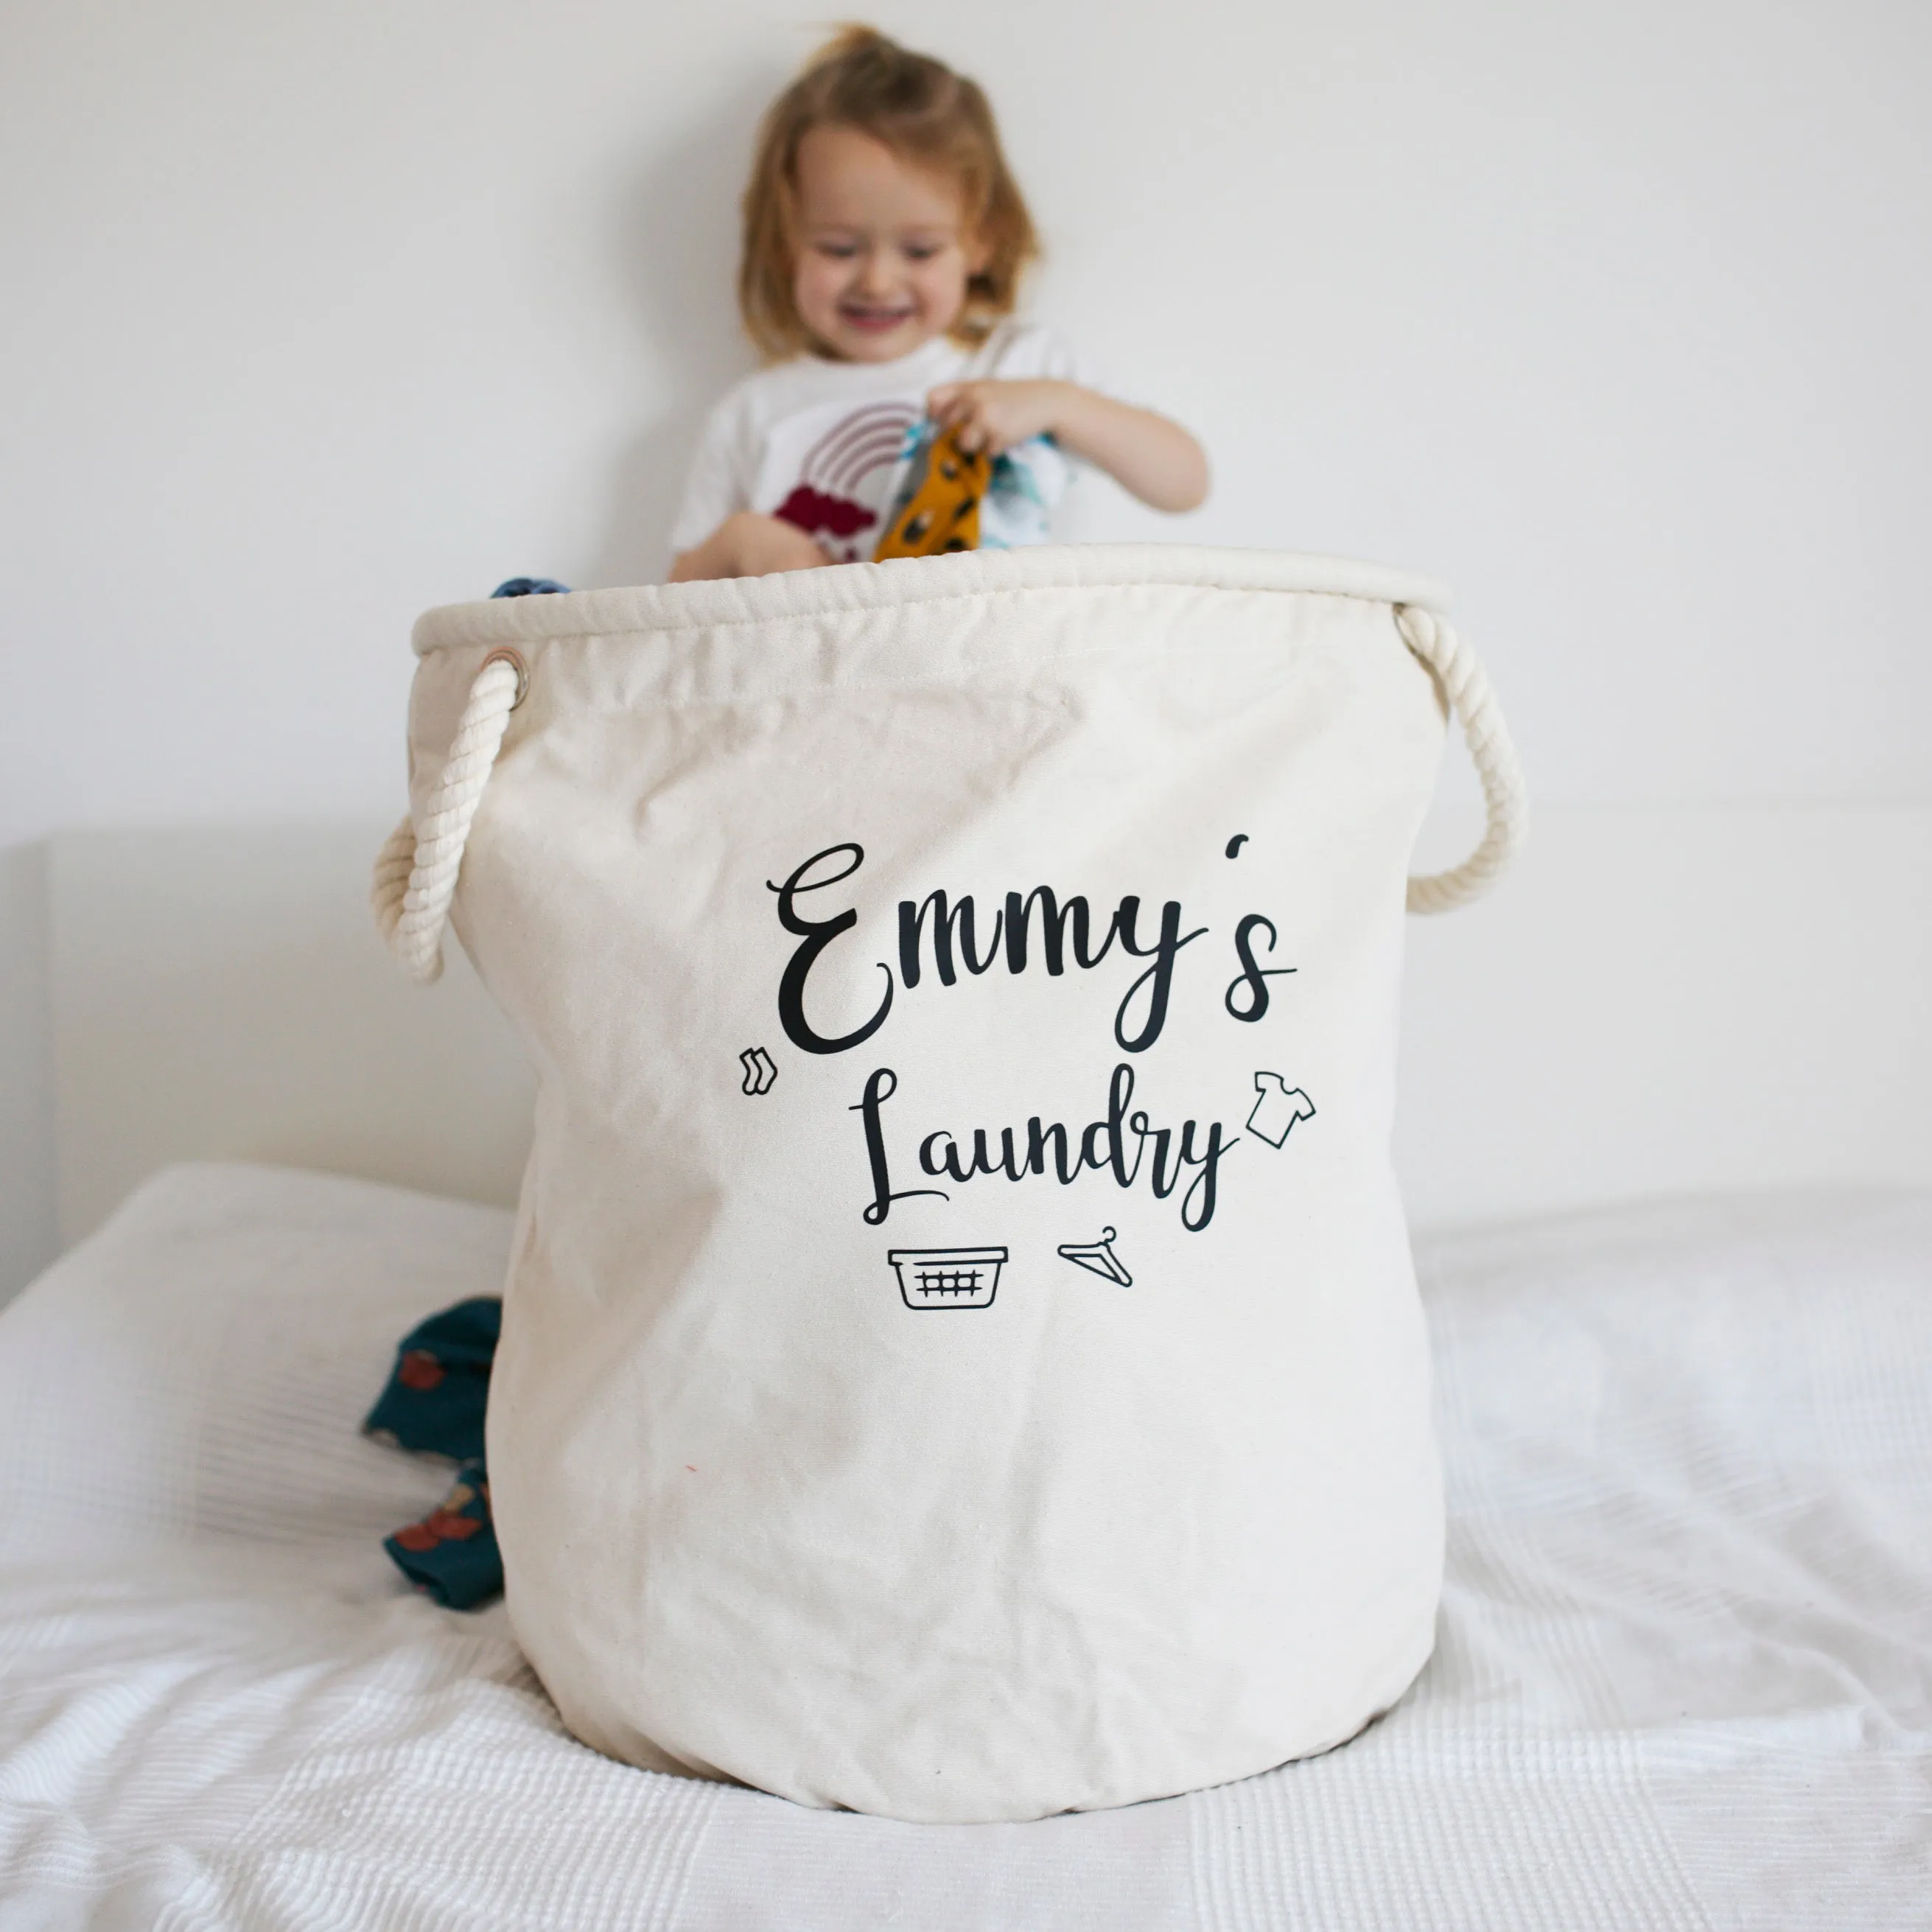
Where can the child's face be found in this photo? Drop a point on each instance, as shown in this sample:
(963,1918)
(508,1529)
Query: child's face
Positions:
(883,257)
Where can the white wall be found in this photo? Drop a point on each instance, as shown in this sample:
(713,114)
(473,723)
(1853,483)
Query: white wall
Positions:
(1614,314)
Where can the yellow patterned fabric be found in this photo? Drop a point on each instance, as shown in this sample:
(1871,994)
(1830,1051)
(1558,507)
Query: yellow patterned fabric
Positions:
(942,513)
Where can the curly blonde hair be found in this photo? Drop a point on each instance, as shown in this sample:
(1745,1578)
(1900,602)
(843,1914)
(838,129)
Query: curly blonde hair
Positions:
(921,109)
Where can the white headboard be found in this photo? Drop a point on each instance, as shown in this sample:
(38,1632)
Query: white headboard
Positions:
(1656,1001)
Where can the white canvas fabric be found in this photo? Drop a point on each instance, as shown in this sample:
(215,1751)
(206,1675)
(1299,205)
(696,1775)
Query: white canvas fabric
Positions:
(961,1359)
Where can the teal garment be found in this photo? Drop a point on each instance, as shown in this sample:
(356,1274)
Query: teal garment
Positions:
(451,1555)
(440,1386)
(434,1404)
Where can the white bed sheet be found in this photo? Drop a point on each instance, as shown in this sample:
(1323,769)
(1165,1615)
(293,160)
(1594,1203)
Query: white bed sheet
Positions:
(1684,1676)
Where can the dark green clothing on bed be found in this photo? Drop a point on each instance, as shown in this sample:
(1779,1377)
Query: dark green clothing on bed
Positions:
(435,1403)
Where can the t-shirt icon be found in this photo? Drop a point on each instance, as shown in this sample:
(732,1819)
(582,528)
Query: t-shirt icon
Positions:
(1279,1107)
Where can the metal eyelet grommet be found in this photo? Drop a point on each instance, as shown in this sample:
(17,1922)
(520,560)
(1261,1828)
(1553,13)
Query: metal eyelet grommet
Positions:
(503,654)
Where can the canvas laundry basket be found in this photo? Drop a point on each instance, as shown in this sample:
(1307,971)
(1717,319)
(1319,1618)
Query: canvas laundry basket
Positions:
(961,1356)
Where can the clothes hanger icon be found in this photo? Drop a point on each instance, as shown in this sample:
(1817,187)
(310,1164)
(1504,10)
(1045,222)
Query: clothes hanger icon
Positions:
(1098,1258)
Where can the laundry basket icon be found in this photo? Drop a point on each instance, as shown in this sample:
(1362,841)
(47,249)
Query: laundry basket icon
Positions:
(947,1277)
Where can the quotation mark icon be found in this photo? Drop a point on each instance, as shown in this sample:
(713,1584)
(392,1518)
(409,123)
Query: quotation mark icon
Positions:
(759,1071)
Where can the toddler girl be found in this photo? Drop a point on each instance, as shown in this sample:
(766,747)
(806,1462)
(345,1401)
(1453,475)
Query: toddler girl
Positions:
(884,243)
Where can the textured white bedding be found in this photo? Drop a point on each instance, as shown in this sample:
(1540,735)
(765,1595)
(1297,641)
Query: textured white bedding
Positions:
(1684,1676)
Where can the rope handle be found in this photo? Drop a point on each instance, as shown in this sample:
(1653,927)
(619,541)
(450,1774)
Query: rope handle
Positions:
(416,871)
(1505,797)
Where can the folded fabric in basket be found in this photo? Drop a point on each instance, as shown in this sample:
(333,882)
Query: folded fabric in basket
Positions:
(530,587)
(434,1404)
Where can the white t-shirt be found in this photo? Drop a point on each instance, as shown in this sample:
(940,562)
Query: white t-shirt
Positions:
(825,445)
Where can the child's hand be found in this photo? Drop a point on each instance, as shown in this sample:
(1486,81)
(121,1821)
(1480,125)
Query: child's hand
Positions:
(763,545)
(748,544)
(1157,460)
(993,415)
